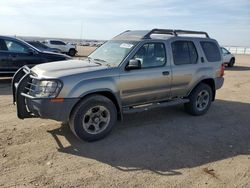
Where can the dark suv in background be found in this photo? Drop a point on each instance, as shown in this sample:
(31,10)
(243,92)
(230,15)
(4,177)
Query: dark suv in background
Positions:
(43,47)
(15,53)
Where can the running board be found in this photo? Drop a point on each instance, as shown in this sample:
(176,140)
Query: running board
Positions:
(145,107)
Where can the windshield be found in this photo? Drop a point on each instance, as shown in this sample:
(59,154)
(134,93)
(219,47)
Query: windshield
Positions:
(112,52)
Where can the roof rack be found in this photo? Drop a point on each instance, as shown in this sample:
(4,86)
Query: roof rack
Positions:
(173,32)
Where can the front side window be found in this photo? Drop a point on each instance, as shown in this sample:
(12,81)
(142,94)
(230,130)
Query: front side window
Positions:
(184,52)
(14,46)
(211,51)
(225,51)
(151,55)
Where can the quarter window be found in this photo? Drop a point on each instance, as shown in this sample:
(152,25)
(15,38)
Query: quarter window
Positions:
(211,51)
(184,52)
(151,55)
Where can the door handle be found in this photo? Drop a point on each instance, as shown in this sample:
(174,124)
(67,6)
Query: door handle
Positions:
(202,59)
(165,73)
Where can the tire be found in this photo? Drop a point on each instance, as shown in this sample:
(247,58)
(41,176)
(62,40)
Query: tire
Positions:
(72,52)
(231,62)
(195,106)
(93,118)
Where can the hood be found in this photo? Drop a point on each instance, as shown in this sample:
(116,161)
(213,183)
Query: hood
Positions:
(64,68)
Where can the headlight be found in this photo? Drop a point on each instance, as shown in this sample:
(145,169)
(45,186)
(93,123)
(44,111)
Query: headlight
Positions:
(45,88)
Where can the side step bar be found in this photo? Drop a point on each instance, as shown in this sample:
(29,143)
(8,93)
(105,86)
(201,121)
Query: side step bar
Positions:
(145,107)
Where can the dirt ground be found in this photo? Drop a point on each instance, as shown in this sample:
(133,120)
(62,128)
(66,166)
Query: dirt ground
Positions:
(162,148)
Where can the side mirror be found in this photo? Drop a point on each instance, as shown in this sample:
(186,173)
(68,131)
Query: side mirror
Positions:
(133,64)
(31,51)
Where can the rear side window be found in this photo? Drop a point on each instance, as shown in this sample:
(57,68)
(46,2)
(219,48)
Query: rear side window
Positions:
(184,52)
(211,51)
(57,42)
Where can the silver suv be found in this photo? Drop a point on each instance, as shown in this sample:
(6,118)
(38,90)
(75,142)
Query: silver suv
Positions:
(133,72)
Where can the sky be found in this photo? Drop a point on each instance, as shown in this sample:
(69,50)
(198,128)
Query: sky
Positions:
(228,21)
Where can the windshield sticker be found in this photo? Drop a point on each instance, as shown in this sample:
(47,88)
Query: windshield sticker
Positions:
(125,45)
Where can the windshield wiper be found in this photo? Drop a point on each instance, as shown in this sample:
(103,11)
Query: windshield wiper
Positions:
(97,61)
(101,60)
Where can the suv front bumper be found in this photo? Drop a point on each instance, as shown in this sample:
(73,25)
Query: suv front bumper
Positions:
(31,107)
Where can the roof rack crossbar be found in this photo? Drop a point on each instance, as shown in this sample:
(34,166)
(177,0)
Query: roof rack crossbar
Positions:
(159,31)
(173,32)
(191,32)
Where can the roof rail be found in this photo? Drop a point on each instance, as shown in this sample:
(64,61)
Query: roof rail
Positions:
(173,32)
(191,32)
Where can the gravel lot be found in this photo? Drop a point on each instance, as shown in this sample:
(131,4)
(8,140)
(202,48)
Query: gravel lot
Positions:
(162,148)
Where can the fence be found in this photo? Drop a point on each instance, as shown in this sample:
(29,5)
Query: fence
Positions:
(238,49)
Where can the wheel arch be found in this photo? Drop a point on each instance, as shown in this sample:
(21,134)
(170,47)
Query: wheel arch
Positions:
(109,94)
(208,81)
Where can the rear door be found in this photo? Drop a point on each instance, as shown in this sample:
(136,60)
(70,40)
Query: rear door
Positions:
(152,81)
(186,62)
(59,44)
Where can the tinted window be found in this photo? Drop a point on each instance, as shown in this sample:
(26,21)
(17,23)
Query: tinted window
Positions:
(184,52)
(211,51)
(151,55)
(3,46)
(14,46)
(57,42)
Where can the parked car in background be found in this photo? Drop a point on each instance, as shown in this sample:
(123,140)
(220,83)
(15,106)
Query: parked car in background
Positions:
(132,72)
(43,47)
(228,57)
(64,47)
(15,53)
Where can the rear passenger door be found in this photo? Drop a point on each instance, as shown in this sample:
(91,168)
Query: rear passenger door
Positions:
(186,61)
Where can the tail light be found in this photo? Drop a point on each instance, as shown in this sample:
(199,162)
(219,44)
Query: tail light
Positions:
(222,69)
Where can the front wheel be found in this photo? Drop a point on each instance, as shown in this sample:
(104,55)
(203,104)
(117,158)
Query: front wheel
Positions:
(200,100)
(93,118)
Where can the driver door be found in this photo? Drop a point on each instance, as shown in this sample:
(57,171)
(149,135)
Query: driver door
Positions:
(152,81)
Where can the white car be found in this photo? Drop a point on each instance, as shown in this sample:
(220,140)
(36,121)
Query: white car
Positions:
(228,58)
(64,47)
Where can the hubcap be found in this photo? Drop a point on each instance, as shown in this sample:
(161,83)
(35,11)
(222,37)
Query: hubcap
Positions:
(96,119)
(202,100)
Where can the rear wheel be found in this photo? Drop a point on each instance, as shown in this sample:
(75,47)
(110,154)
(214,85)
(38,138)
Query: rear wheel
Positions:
(72,52)
(200,100)
(231,62)
(93,118)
